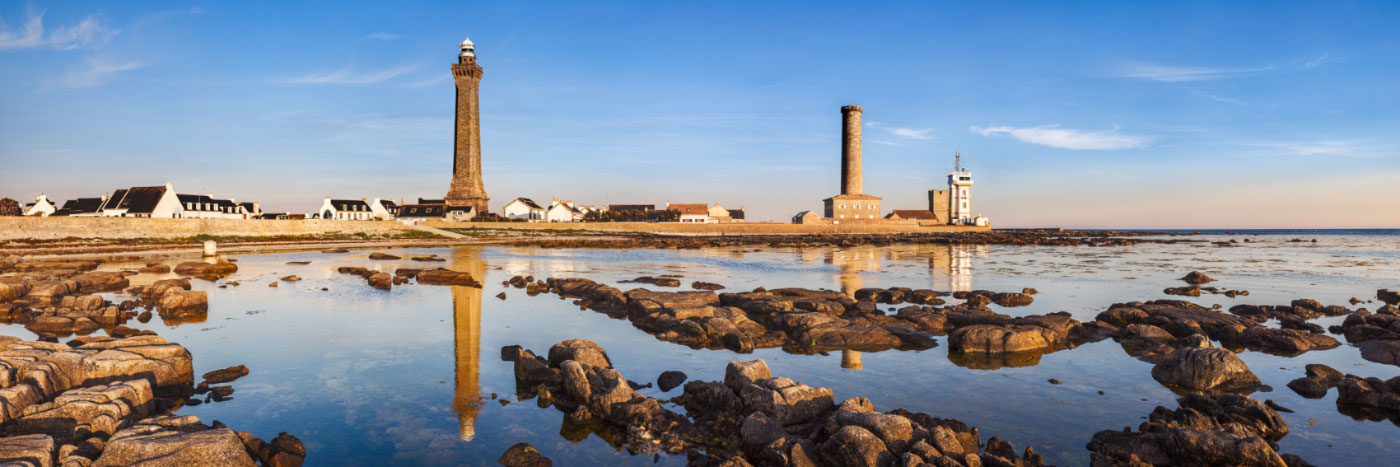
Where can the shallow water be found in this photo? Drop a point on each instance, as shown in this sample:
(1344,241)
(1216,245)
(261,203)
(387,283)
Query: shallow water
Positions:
(368,377)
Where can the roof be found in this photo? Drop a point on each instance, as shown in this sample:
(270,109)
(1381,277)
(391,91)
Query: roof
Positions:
(388,204)
(690,208)
(248,206)
(141,199)
(528,202)
(854,196)
(112,201)
(82,205)
(431,201)
(565,206)
(349,205)
(422,210)
(922,214)
(631,207)
(736,213)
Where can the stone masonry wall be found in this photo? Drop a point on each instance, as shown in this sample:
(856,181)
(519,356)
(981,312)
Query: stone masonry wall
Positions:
(126,227)
(744,228)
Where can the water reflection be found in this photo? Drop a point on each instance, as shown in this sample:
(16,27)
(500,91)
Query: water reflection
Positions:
(466,325)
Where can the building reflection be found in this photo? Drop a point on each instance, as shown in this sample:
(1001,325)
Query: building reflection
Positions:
(851,263)
(466,325)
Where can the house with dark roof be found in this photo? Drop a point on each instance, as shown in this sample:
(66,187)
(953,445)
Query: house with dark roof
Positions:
(81,207)
(345,210)
(251,210)
(143,201)
(736,215)
(913,214)
(384,209)
(523,208)
(41,207)
(205,206)
(562,211)
(422,211)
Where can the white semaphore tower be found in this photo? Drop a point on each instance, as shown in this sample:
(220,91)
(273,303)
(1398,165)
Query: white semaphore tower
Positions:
(960,192)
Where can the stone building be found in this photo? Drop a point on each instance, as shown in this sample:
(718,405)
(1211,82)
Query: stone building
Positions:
(467,189)
(851,205)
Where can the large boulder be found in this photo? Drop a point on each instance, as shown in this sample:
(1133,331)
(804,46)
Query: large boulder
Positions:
(27,451)
(579,350)
(174,440)
(1205,369)
(786,401)
(856,446)
(79,413)
(999,339)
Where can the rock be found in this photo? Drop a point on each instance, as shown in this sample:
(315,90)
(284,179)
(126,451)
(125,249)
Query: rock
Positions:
(1012,299)
(999,339)
(1192,291)
(1197,278)
(27,450)
(737,375)
(524,455)
(855,446)
(207,271)
(1204,370)
(291,278)
(336,250)
(670,380)
(1205,430)
(1389,297)
(383,256)
(579,350)
(381,280)
(174,440)
(1370,393)
(1387,352)
(446,277)
(697,285)
(895,431)
(226,375)
(759,430)
(79,413)
(786,401)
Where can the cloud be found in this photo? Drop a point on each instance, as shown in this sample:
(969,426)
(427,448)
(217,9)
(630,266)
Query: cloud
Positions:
(1327,148)
(89,33)
(99,70)
(427,82)
(911,133)
(1173,74)
(1316,62)
(382,36)
(1054,136)
(346,76)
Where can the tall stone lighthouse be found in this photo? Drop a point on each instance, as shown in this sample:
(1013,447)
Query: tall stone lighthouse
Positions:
(467,189)
(852,205)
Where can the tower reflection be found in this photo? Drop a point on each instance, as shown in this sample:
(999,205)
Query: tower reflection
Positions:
(466,325)
(853,261)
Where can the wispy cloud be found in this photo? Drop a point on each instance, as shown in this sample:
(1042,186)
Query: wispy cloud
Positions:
(98,70)
(911,133)
(1326,148)
(1173,74)
(382,36)
(1216,98)
(1316,62)
(347,76)
(88,33)
(1066,138)
(427,82)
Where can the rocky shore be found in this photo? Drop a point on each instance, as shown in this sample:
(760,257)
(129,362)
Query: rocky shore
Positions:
(754,418)
(1089,238)
(113,400)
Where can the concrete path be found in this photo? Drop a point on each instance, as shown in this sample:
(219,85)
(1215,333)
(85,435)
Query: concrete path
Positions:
(441,232)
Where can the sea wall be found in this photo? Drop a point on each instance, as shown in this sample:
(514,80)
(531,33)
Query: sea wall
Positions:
(738,228)
(12,228)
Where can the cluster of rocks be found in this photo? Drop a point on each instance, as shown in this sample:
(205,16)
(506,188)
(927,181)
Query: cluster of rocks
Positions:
(1196,278)
(1362,398)
(1220,429)
(206,271)
(663,281)
(751,417)
(1377,334)
(1163,324)
(385,281)
(58,298)
(105,401)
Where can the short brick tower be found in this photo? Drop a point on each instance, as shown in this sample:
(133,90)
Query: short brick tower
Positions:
(467,188)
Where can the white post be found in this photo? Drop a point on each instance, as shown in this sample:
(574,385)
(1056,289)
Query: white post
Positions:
(209,248)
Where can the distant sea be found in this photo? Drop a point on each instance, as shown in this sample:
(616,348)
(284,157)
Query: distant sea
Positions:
(1298,232)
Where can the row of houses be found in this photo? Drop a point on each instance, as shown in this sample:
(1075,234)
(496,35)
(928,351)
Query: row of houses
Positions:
(147,201)
(383,209)
(569,211)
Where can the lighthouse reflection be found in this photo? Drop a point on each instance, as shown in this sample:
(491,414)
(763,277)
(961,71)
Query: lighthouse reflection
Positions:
(466,324)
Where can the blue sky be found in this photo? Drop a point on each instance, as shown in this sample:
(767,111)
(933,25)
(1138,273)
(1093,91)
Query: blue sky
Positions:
(1081,114)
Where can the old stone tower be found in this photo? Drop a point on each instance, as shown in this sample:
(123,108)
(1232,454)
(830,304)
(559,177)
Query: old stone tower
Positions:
(851,204)
(467,188)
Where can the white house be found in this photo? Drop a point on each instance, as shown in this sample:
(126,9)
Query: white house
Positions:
(251,210)
(143,201)
(692,213)
(41,207)
(208,207)
(523,208)
(346,210)
(562,211)
(384,209)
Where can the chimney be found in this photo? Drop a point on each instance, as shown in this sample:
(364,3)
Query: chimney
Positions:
(850,150)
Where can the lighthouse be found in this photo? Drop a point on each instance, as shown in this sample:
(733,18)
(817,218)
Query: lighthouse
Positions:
(467,189)
(960,191)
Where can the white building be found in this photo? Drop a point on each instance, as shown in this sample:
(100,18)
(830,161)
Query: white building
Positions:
(207,207)
(345,210)
(384,209)
(960,196)
(523,208)
(143,201)
(40,207)
(562,211)
(692,213)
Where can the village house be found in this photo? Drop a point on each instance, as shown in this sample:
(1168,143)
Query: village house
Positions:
(81,207)
(692,213)
(251,210)
(562,211)
(722,215)
(207,207)
(345,210)
(40,207)
(143,201)
(523,208)
(807,217)
(922,215)
(416,212)
(384,209)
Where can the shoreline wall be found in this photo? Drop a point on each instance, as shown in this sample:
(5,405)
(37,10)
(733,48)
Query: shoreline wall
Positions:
(45,228)
(737,228)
